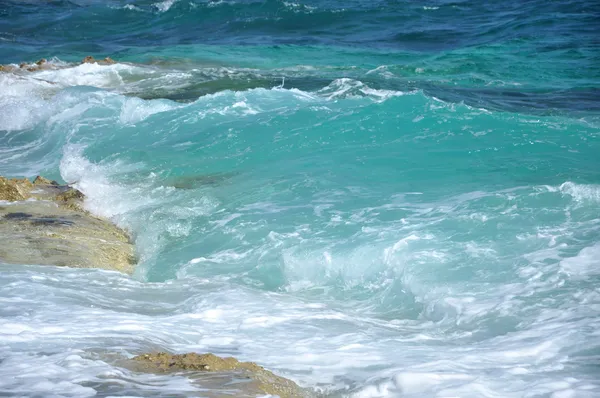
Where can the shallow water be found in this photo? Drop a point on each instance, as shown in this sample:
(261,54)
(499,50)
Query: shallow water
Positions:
(369,198)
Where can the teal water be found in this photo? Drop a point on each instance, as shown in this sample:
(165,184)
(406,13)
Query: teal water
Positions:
(370,198)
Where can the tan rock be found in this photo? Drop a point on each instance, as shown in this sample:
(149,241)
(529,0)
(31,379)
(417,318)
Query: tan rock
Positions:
(10,191)
(7,68)
(71,198)
(39,180)
(53,229)
(91,60)
(262,380)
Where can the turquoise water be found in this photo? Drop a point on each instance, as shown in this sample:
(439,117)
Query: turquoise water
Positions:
(370,198)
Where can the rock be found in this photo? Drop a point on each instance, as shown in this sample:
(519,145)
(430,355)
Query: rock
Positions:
(10,191)
(51,228)
(7,68)
(91,60)
(15,189)
(261,380)
(39,180)
(198,181)
(71,198)
(43,64)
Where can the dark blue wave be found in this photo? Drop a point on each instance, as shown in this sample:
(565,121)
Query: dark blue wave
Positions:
(64,26)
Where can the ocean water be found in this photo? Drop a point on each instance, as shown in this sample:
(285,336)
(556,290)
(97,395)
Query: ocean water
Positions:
(371,198)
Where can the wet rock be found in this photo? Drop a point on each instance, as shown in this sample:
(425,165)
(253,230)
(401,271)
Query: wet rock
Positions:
(91,60)
(41,64)
(45,224)
(198,181)
(9,190)
(15,189)
(258,380)
(8,68)
(39,180)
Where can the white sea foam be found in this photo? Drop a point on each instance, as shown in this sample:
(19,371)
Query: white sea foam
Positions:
(349,88)
(164,6)
(86,75)
(585,264)
(464,343)
(135,110)
(581,192)
(22,102)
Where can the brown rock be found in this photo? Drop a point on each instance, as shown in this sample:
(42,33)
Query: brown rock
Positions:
(17,189)
(7,68)
(39,180)
(40,232)
(71,198)
(262,380)
(91,60)
(9,190)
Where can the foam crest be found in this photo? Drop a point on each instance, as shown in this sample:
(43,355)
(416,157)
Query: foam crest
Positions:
(585,264)
(581,192)
(154,212)
(135,110)
(22,102)
(89,74)
(349,88)
(164,6)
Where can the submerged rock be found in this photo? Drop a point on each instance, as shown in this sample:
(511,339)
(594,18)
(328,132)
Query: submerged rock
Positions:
(44,223)
(197,181)
(256,380)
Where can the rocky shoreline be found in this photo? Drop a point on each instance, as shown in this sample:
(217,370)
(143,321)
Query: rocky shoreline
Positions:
(44,223)
(43,64)
(248,378)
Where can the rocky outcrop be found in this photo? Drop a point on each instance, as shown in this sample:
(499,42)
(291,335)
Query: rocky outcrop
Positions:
(43,64)
(258,381)
(91,60)
(44,223)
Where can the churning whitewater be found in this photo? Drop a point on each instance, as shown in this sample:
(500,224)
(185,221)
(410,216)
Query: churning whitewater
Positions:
(372,199)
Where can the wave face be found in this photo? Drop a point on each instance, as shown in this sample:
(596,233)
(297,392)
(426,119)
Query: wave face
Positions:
(371,198)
